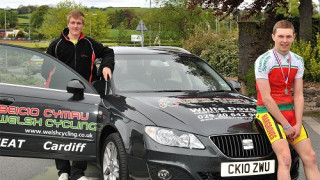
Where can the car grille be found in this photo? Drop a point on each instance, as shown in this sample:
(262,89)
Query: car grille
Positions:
(231,145)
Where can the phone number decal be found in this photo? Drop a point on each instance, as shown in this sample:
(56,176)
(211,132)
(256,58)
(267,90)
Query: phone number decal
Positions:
(209,114)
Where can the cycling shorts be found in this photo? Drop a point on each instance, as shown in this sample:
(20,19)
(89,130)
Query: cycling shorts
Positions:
(275,131)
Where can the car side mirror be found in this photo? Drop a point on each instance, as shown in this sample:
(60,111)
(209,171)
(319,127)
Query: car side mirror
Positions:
(235,84)
(76,87)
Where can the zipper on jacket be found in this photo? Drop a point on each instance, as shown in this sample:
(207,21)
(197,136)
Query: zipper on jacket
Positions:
(75,56)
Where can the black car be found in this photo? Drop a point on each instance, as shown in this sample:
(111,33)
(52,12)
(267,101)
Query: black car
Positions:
(166,114)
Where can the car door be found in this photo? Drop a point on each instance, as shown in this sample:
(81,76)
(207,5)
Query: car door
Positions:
(38,116)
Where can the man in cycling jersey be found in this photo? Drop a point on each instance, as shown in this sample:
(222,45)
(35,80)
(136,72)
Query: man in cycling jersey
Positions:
(279,111)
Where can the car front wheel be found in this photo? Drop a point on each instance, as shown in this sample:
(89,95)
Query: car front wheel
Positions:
(114,161)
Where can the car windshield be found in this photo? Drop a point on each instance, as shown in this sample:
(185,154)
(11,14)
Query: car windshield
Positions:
(165,73)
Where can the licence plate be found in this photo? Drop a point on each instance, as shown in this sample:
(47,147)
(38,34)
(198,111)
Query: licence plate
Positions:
(248,168)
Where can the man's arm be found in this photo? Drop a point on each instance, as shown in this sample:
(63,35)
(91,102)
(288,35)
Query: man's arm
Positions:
(107,63)
(298,101)
(272,106)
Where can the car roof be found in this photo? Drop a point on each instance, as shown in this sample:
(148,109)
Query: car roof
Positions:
(149,50)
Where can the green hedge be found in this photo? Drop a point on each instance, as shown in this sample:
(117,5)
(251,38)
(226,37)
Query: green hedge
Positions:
(219,50)
(250,81)
(223,55)
(311,57)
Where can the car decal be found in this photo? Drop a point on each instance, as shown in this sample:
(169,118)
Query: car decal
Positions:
(11,143)
(47,122)
(175,102)
(214,113)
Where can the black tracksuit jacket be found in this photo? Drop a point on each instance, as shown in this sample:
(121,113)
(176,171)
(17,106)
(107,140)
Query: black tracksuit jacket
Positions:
(81,56)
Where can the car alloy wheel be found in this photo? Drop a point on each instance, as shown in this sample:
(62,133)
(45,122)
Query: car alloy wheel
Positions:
(114,163)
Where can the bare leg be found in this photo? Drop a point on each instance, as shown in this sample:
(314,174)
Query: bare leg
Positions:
(308,157)
(281,148)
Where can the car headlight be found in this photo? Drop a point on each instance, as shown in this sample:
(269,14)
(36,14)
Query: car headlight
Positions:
(171,137)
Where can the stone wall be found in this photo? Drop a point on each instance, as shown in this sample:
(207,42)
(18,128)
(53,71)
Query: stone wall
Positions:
(311,93)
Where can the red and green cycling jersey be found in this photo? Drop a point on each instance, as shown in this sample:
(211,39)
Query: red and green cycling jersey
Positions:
(275,67)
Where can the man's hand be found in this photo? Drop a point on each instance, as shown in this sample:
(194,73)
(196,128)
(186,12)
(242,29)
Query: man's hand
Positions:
(107,73)
(290,132)
(297,129)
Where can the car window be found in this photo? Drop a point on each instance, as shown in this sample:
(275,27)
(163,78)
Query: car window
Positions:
(165,73)
(27,67)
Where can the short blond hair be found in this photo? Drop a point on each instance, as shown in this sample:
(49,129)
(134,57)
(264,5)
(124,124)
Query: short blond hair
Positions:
(282,24)
(77,14)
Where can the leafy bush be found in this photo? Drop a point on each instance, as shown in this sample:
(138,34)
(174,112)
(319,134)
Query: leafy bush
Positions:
(250,81)
(223,55)
(311,57)
(219,50)
(199,41)
(123,34)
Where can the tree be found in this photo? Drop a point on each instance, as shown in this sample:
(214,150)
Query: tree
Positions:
(174,20)
(292,11)
(37,16)
(269,7)
(55,21)
(12,19)
(129,14)
(123,15)
(305,28)
(56,17)
(225,7)
(26,9)
(99,25)
(123,33)
(116,17)
(36,20)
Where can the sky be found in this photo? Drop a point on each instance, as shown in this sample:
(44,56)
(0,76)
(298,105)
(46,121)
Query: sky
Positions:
(96,3)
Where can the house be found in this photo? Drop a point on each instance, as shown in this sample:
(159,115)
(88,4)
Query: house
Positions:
(12,32)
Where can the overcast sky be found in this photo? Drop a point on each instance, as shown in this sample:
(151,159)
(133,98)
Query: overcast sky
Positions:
(97,3)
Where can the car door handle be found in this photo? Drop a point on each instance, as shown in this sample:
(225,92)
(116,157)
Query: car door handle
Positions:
(6,100)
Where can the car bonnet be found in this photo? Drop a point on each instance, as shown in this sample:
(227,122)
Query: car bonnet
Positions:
(206,114)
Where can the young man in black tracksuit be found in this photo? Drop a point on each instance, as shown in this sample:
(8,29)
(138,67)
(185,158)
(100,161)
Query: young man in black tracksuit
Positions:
(79,52)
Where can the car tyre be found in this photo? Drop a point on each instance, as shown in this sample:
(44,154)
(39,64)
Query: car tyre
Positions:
(114,161)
